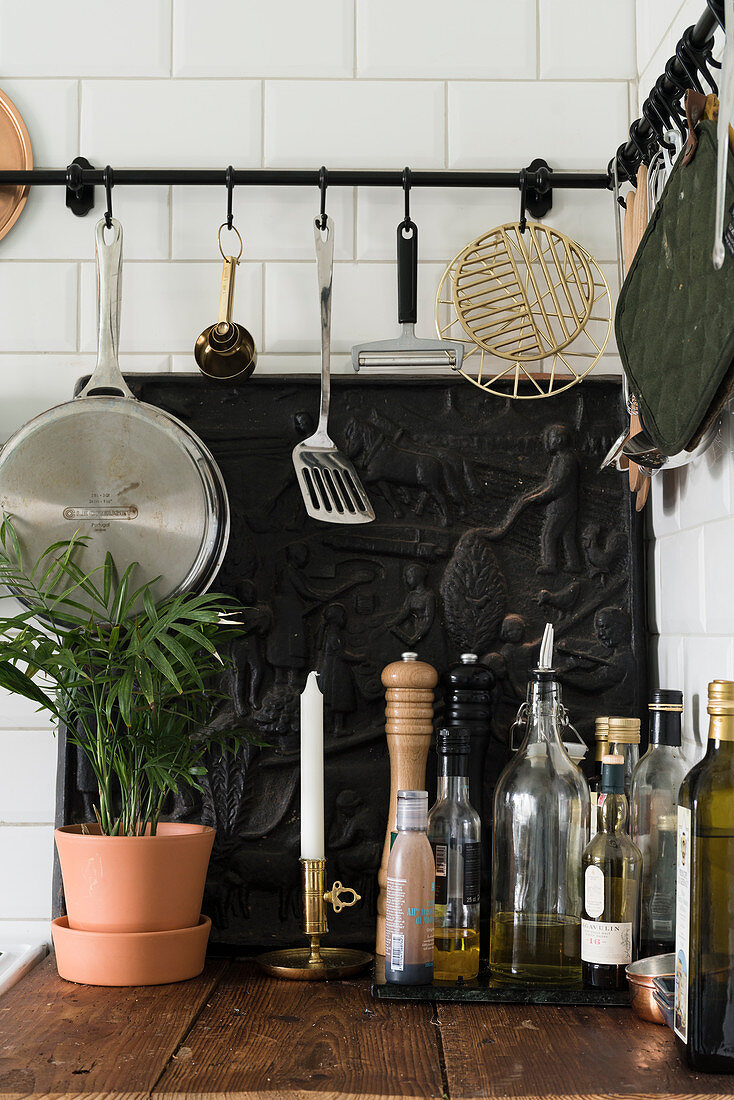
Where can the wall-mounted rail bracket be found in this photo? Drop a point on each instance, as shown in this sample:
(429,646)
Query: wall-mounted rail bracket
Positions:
(539,198)
(79,198)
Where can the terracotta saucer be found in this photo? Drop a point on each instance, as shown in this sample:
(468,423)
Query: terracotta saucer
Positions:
(129,958)
(15,155)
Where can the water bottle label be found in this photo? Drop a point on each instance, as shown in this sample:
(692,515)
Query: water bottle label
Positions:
(682,924)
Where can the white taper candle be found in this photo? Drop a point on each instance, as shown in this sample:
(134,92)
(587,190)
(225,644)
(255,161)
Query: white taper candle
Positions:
(312,770)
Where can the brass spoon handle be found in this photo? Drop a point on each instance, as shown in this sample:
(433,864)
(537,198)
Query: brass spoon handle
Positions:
(226,293)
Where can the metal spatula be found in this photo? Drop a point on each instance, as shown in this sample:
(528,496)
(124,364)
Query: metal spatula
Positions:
(328,481)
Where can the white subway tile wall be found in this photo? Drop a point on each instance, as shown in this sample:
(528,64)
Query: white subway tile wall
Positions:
(691,522)
(349,83)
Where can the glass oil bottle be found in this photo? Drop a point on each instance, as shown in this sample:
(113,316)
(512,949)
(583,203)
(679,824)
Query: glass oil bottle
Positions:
(541,822)
(653,807)
(454,830)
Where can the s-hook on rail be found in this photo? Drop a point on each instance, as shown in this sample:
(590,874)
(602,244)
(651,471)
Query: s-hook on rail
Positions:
(661,110)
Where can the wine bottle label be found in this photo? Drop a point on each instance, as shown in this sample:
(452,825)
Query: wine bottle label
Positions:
(594,815)
(457,871)
(682,924)
(607,942)
(594,891)
(471,873)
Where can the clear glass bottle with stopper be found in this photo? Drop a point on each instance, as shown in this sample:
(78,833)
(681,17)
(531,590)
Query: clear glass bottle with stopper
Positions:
(653,807)
(541,822)
(612,870)
(454,830)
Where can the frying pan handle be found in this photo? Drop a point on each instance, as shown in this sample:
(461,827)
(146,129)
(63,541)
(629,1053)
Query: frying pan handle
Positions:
(407,273)
(107,378)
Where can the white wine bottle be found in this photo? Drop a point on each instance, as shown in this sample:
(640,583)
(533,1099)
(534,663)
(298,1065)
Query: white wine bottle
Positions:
(704,948)
(612,869)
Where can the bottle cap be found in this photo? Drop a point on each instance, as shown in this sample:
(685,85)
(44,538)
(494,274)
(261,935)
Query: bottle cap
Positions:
(469,658)
(456,741)
(666,707)
(666,699)
(412,810)
(612,775)
(601,731)
(409,656)
(624,731)
(721,697)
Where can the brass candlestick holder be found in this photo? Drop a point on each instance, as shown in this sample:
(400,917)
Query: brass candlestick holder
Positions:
(317,963)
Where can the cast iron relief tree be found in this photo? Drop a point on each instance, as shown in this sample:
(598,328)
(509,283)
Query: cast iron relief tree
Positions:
(472,496)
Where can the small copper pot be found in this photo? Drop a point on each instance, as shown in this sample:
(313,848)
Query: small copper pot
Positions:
(640,977)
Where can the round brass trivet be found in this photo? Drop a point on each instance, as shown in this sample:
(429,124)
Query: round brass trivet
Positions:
(334,962)
(533,310)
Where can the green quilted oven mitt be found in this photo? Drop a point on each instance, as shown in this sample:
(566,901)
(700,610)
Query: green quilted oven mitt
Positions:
(675,316)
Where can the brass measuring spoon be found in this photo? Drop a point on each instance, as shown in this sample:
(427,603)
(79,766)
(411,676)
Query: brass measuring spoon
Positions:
(226,350)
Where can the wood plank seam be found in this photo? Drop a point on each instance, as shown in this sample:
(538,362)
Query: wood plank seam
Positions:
(441,1053)
(192,1024)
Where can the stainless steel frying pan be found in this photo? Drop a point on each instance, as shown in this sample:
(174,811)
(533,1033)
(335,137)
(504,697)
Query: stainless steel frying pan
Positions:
(124,472)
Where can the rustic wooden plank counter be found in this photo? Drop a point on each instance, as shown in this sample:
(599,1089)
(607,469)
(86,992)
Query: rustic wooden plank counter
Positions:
(233,1033)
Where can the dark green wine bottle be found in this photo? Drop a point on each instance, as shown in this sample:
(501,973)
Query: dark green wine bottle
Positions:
(704,949)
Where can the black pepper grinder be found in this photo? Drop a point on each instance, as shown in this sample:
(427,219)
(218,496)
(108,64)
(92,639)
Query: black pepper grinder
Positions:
(468,705)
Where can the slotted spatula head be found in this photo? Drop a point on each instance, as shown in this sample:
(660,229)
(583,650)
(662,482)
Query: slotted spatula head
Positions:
(329,484)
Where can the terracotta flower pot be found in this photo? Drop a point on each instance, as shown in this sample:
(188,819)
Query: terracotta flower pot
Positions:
(134,883)
(129,958)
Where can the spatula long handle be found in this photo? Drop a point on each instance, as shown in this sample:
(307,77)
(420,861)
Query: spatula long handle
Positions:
(324,240)
(407,273)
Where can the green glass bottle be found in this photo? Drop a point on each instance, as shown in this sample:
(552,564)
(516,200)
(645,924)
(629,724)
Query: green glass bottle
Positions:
(612,868)
(704,948)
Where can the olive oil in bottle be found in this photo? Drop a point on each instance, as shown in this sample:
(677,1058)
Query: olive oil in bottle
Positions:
(541,821)
(454,830)
(704,964)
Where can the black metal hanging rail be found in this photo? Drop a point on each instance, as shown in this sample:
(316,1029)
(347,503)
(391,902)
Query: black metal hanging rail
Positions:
(80,179)
(539,180)
(661,110)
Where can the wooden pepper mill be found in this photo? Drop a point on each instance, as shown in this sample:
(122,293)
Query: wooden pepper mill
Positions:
(409,685)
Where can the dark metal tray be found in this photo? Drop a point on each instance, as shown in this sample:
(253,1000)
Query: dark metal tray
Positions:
(480,992)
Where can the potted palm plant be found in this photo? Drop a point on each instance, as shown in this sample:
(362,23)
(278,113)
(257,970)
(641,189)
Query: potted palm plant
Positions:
(134,682)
